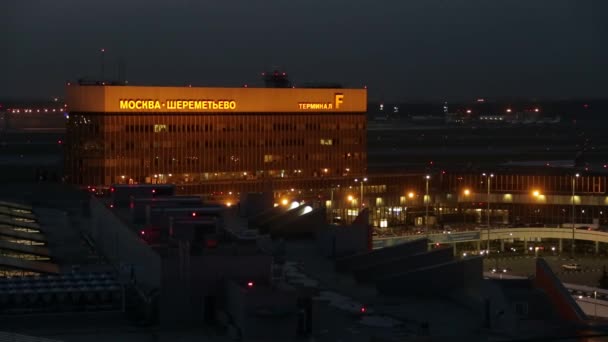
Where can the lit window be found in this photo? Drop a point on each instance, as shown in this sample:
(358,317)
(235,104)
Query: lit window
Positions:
(328,142)
(160,128)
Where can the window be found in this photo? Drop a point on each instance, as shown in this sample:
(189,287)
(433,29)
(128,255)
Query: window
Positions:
(160,128)
(326,142)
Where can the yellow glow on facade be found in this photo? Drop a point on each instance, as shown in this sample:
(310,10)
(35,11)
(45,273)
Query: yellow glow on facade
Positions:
(182,105)
(199,99)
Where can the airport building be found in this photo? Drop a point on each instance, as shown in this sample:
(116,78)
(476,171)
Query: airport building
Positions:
(208,140)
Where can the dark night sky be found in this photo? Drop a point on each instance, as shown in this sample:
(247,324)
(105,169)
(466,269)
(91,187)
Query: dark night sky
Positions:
(400,49)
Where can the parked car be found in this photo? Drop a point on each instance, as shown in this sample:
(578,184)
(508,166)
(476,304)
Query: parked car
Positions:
(572,267)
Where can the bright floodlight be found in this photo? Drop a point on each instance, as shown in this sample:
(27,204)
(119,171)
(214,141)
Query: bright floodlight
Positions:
(294,205)
(307,209)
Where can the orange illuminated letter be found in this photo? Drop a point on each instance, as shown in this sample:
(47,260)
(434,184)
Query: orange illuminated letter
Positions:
(339,99)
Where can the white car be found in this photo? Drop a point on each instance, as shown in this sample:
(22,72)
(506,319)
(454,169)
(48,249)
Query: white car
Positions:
(572,267)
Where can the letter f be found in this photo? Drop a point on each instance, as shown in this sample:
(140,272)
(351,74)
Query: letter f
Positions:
(339,99)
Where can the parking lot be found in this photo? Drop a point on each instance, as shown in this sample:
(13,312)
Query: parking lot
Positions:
(519,265)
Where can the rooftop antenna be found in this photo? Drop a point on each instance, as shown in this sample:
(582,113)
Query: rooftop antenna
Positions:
(102,52)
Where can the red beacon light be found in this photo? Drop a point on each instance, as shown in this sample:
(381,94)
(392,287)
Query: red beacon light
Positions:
(153,191)
(193,214)
(250,284)
(112,189)
(363,309)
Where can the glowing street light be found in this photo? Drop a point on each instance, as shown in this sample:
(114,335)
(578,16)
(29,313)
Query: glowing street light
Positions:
(427,200)
(574,177)
(362,180)
(489,177)
(466,193)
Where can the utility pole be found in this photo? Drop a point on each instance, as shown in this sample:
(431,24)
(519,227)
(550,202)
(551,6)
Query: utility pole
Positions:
(427,199)
(573,214)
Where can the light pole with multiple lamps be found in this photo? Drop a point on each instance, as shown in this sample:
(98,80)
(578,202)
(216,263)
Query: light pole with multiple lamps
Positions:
(364,179)
(489,177)
(573,214)
(427,199)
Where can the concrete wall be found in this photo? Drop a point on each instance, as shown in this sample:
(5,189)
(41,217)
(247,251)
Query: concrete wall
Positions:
(340,241)
(252,204)
(121,246)
(401,265)
(262,313)
(184,289)
(377,256)
(265,216)
(438,280)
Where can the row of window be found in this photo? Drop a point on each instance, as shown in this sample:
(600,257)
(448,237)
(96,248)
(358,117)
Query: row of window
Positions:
(526,183)
(225,159)
(131,145)
(164,128)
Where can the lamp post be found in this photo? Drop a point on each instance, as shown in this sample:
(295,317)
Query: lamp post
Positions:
(364,179)
(573,213)
(595,302)
(331,203)
(489,177)
(466,194)
(427,200)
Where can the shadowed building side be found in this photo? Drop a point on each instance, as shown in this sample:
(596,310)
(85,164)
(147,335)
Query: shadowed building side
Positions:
(349,263)
(442,279)
(402,264)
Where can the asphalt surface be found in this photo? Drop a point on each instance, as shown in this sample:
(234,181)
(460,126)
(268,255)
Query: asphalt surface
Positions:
(525,266)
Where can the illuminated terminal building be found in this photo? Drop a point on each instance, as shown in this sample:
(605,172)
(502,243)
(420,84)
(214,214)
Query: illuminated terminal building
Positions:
(208,140)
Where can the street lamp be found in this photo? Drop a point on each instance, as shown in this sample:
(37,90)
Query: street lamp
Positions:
(466,193)
(427,200)
(573,218)
(489,177)
(364,179)
(331,203)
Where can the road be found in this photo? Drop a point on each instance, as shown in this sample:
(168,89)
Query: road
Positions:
(525,266)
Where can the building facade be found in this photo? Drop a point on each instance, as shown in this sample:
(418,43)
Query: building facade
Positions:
(214,139)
